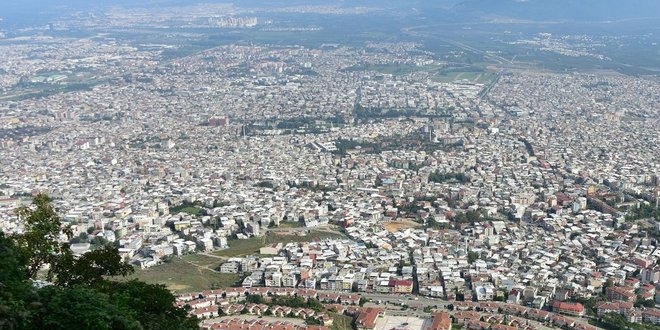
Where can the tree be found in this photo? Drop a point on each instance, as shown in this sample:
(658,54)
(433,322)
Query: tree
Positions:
(90,268)
(39,244)
(255,299)
(310,320)
(14,289)
(152,304)
(80,297)
(472,257)
(79,308)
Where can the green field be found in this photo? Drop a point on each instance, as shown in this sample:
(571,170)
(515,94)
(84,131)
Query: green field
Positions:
(192,210)
(186,274)
(341,322)
(241,247)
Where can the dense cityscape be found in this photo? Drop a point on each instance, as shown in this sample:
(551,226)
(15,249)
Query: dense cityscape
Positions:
(373,186)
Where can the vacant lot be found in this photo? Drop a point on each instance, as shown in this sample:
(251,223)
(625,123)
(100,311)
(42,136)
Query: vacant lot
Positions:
(190,273)
(395,226)
(242,247)
(312,236)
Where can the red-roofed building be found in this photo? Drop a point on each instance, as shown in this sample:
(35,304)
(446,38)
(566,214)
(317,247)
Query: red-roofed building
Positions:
(367,317)
(620,307)
(477,325)
(465,317)
(574,309)
(441,321)
(537,314)
(205,312)
(621,293)
(651,315)
(562,321)
(401,286)
(502,327)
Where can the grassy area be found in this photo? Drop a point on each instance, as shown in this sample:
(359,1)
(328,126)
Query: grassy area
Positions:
(341,322)
(241,247)
(289,224)
(202,260)
(192,210)
(308,237)
(184,275)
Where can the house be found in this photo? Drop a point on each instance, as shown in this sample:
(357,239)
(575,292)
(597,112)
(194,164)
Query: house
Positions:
(441,321)
(350,299)
(465,305)
(513,309)
(621,293)
(477,325)
(368,316)
(489,307)
(206,312)
(328,297)
(651,315)
(464,317)
(620,307)
(502,327)
(562,321)
(537,314)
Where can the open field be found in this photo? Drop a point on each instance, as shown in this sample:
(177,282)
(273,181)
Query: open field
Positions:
(395,226)
(312,236)
(203,260)
(241,247)
(183,274)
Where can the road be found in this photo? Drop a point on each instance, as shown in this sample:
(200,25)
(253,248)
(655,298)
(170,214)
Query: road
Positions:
(416,304)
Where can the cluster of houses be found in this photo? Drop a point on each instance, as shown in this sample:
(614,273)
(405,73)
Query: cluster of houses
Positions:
(231,301)
(257,324)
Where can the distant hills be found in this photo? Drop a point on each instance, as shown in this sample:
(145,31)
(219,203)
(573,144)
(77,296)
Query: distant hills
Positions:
(565,10)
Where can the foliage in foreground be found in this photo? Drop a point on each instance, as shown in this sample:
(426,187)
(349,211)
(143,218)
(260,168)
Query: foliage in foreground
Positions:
(80,297)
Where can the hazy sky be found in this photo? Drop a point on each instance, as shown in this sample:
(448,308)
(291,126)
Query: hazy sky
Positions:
(533,10)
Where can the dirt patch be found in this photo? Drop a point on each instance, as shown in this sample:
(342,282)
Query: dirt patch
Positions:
(394,226)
